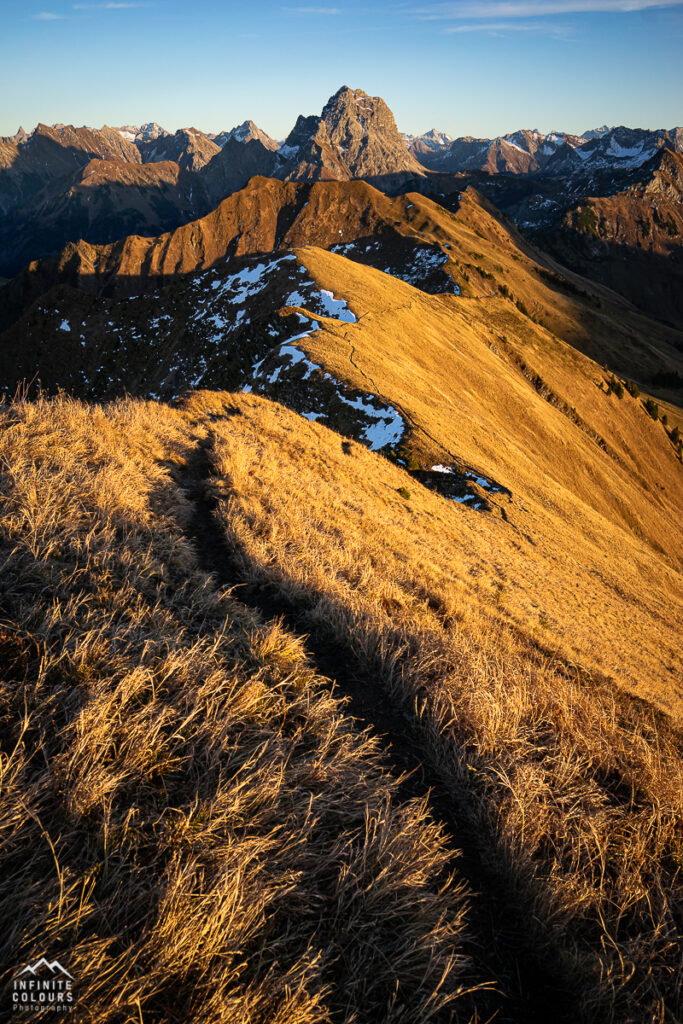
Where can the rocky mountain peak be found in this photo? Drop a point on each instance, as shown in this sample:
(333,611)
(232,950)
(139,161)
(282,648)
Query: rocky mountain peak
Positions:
(437,136)
(667,176)
(352,110)
(428,144)
(150,131)
(188,147)
(303,131)
(354,137)
(248,131)
(595,133)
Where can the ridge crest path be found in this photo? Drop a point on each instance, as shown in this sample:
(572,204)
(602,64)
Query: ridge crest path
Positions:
(520,986)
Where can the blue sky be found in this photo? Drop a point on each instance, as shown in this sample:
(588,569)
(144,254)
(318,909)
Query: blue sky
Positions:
(468,67)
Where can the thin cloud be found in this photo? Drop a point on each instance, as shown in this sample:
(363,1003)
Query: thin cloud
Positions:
(47,16)
(501,27)
(312,10)
(110,7)
(503,9)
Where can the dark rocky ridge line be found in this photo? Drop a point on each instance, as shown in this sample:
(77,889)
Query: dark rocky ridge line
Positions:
(266,216)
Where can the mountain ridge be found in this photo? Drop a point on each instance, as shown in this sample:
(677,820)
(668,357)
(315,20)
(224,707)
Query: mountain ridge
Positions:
(537,180)
(342,589)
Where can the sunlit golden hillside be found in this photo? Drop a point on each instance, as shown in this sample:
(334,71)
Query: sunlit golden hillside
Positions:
(340,646)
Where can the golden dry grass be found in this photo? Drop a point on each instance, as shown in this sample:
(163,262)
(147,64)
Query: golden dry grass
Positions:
(188,820)
(196,824)
(593,524)
(193,823)
(577,786)
(192,820)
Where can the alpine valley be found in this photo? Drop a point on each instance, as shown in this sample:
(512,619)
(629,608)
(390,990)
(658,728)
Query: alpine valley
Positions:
(341,600)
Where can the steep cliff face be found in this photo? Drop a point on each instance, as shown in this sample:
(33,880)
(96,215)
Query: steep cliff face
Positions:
(354,137)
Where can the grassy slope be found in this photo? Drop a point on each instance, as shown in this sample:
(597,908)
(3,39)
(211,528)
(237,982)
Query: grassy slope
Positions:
(574,790)
(595,483)
(586,530)
(498,635)
(486,252)
(187,818)
(209,836)
(588,316)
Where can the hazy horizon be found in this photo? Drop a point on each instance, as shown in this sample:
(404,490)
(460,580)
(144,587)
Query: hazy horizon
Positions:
(480,68)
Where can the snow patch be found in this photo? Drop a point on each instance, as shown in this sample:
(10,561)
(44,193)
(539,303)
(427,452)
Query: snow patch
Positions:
(383,424)
(336,308)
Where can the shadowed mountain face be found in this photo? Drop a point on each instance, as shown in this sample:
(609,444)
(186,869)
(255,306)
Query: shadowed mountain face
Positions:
(107,199)
(354,137)
(483,389)
(189,148)
(29,162)
(267,215)
(632,241)
(470,252)
(101,201)
(236,162)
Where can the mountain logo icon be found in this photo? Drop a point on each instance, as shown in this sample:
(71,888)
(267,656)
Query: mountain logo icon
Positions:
(44,966)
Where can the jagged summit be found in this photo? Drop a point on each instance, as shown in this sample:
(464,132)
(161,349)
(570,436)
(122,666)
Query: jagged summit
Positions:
(355,136)
(596,133)
(558,154)
(55,196)
(247,131)
(188,147)
(433,139)
(151,130)
(141,133)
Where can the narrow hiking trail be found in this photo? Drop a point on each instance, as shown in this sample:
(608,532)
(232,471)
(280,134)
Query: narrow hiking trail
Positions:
(527,985)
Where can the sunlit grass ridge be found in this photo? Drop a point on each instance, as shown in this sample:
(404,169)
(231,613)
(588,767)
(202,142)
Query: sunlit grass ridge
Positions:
(185,808)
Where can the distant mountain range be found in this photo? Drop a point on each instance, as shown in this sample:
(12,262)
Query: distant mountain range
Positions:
(557,153)
(60,184)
